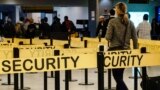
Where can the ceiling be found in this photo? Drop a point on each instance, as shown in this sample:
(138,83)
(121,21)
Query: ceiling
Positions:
(47,2)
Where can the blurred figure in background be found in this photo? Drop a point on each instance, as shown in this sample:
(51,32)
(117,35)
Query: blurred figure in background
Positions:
(144,28)
(9,28)
(45,28)
(31,30)
(56,25)
(68,26)
(102,27)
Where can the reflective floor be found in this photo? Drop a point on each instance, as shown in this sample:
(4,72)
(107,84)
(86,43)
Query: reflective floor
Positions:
(35,80)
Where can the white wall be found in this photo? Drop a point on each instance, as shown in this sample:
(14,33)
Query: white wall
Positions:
(73,13)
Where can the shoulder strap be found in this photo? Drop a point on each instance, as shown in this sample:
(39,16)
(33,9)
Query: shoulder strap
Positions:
(125,32)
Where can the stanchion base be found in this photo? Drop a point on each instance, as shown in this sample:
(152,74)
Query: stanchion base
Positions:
(97,71)
(112,88)
(25,88)
(86,83)
(7,84)
(73,80)
(132,77)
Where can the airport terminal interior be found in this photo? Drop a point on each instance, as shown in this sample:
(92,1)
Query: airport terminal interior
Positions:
(54,31)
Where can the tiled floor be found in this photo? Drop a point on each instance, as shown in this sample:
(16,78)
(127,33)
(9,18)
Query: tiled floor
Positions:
(35,81)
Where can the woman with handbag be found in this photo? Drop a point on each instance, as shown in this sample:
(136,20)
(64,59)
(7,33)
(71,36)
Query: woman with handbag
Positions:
(119,32)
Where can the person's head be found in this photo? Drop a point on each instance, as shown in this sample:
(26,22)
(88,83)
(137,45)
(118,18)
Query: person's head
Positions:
(121,11)
(65,18)
(145,17)
(42,20)
(101,18)
(112,12)
(21,19)
(45,19)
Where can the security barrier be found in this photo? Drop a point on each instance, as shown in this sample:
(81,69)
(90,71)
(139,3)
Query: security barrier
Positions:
(42,59)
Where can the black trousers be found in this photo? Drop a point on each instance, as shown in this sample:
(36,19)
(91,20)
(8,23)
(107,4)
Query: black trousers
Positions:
(118,73)
(118,76)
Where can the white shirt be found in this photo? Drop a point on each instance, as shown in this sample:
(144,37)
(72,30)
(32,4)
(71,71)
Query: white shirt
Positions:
(144,29)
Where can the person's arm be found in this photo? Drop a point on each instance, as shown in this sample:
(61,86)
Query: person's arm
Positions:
(109,32)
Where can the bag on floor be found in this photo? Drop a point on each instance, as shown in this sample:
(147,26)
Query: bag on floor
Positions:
(152,83)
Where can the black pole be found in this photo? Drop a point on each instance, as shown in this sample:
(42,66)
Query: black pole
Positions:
(12,39)
(99,37)
(144,78)
(66,80)
(82,38)
(100,66)
(22,82)
(30,39)
(8,80)
(16,81)
(45,77)
(69,71)
(45,81)
(8,76)
(57,73)
(86,70)
(52,73)
(144,72)
(51,41)
(135,78)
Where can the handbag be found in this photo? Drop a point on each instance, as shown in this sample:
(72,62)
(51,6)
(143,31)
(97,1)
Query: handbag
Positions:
(152,83)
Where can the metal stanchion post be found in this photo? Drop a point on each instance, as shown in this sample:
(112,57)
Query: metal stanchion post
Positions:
(99,38)
(9,75)
(30,40)
(66,80)
(8,80)
(57,73)
(21,74)
(12,39)
(22,83)
(135,79)
(16,81)
(144,72)
(45,81)
(100,66)
(86,70)
(52,73)
(69,71)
